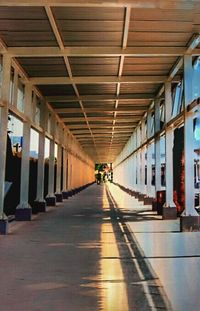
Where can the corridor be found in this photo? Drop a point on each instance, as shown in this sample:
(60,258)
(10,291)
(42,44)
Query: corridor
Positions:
(76,255)
(102,92)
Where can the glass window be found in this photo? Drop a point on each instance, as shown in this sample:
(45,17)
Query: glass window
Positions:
(162,115)
(177,99)
(152,123)
(15,131)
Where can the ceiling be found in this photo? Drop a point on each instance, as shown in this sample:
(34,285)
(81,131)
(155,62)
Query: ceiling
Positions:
(99,65)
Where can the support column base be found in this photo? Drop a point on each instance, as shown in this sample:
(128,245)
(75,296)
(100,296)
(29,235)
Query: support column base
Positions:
(23,214)
(141,197)
(169,213)
(3,226)
(74,191)
(65,195)
(51,201)
(59,197)
(154,205)
(39,207)
(70,193)
(189,223)
(148,201)
(136,194)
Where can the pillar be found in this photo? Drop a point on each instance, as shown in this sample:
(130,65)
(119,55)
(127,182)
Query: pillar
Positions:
(169,208)
(137,170)
(149,170)
(40,203)
(134,171)
(190,220)
(15,88)
(64,190)
(24,210)
(50,198)
(149,157)
(157,148)
(69,173)
(58,193)
(138,159)
(5,92)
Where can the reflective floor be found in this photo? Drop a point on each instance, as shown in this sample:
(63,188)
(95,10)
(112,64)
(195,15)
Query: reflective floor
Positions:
(173,255)
(77,256)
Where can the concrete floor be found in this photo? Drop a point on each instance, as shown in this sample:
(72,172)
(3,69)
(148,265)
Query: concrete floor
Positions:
(77,256)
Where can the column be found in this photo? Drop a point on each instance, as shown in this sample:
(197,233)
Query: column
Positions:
(169,208)
(138,159)
(142,177)
(157,165)
(69,174)
(134,172)
(3,134)
(149,170)
(138,171)
(190,220)
(50,198)
(58,193)
(24,210)
(149,156)
(40,203)
(64,190)
(157,148)
(15,88)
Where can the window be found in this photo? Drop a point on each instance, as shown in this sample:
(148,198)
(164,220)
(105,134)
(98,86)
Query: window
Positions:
(15,131)
(162,115)
(152,123)
(177,99)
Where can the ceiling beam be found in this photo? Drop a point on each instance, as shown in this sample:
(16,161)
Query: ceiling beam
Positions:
(100,131)
(66,60)
(102,126)
(106,119)
(54,27)
(83,136)
(160,4)
(99,143)
(126,26)
(125,109)
(142,51)
(124,97)
(97,80)
(121,64)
